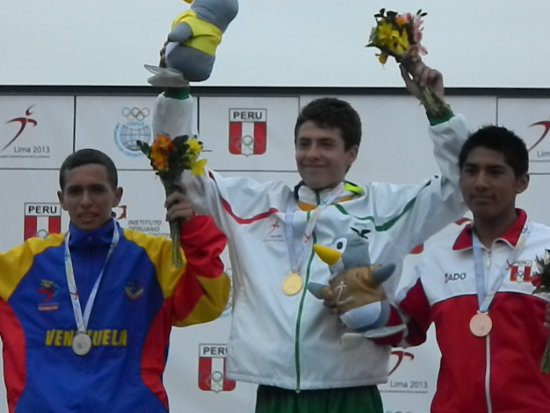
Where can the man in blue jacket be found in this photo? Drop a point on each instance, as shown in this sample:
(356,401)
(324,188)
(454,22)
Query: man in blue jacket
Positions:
(85,316)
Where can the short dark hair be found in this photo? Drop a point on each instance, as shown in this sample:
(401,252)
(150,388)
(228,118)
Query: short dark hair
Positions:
(332,113)
(500,139)
(85,157)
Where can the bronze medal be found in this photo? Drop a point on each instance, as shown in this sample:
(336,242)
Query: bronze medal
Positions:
(481,324)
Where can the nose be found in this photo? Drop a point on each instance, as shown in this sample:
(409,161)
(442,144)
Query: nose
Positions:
(86,198)
(481,180)
(313,151)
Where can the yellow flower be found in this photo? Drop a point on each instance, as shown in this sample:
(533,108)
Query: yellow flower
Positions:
(194,145)
(197,168)
(403,42)
(399,42)
(385,34)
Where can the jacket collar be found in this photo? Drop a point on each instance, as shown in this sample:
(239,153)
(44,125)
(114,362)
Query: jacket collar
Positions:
(510,236)
(308,199)
(97,237)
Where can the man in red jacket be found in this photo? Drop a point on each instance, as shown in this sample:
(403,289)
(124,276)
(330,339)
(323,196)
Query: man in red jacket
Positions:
(473,281)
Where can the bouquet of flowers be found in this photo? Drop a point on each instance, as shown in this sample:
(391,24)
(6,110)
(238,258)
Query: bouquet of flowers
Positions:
(399,36)
(169,158)
(542,283)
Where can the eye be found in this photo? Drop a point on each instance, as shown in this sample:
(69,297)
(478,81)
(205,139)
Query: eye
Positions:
(74,190)
(468,171)
(98,189)
(340,244)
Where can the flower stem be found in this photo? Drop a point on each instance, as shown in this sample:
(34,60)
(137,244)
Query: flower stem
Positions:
(175,229)
(434,105)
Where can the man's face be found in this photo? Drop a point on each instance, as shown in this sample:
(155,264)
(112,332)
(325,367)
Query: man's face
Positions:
(320,156)
(88,196)
(489,185)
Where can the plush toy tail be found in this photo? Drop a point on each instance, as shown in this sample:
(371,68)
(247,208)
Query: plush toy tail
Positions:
(383,273)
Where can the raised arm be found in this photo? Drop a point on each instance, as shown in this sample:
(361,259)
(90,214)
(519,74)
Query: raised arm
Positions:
(203,290)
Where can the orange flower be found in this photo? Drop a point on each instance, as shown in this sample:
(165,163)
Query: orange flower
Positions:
(400,21)
(159,158)
(163,142)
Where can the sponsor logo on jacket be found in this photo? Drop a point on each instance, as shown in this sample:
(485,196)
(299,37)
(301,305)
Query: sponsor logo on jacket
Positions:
(454,276)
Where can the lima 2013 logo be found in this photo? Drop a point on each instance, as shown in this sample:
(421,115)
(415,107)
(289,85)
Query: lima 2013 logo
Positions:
(23,122)
(134,129)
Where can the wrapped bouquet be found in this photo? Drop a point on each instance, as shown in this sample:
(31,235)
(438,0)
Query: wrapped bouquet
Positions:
(399,35)
(169,158)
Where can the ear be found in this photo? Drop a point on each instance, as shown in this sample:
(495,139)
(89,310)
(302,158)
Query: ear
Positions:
(352,154)
(522,183)
(118,196)
(61,199)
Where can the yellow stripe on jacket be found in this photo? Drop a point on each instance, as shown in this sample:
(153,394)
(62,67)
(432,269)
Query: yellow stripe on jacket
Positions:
(15,263)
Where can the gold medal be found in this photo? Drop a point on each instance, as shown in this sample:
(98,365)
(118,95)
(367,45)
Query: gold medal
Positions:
(481,324)
(292,284)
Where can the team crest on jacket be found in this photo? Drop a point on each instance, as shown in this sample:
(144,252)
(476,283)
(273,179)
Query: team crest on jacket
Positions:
(212,368)
(41,219)
(520,271)
(133,290)
(49,290)
(276,230)
(247,131)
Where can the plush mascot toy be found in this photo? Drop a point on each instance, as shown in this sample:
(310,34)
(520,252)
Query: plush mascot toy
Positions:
(191,48)
(354,288)
(189,55)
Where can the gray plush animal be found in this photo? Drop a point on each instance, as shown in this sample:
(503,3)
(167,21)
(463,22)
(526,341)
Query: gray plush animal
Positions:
(191,48)
(354,288)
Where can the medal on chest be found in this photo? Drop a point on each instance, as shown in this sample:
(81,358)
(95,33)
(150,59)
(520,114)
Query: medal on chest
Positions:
(292,284)
(481,324)
(82,344)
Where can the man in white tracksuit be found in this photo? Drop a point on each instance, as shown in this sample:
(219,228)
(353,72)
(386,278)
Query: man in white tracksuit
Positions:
(282,337)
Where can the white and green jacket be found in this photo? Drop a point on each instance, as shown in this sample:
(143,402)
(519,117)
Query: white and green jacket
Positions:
(293,342)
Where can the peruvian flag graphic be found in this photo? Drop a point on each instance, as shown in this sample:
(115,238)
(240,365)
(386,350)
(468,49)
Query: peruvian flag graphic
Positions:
(212,368)
(247,131)
(41,219)
(520,272)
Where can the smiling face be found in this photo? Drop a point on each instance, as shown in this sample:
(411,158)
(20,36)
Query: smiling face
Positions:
(88,196)
(321,157)
(489,185)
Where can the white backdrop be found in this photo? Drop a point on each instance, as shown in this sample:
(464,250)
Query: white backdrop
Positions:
(395,148)
(491,43)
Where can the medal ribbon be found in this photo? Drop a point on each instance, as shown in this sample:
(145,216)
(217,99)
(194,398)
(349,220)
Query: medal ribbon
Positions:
(297,254)
(82,320)
(484,299)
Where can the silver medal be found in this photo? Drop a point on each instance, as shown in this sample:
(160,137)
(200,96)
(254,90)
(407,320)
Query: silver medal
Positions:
(82,344)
